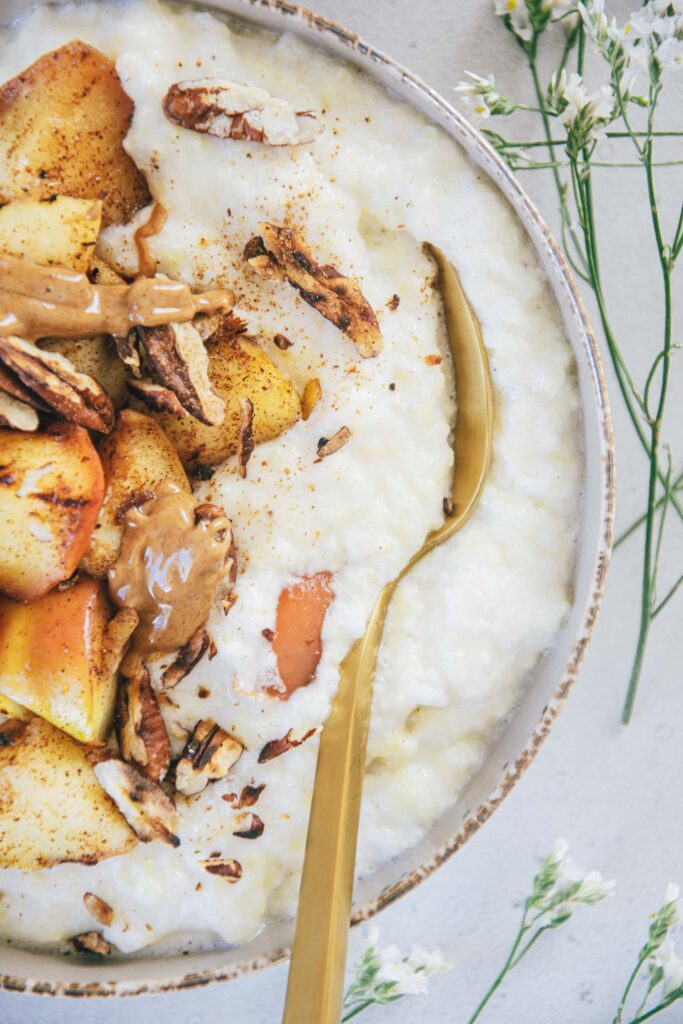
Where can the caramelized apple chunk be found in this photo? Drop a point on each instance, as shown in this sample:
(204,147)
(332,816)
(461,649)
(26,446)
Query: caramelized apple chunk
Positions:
(61,655)
(51,488)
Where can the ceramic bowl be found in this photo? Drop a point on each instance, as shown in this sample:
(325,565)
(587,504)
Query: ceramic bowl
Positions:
(529,724)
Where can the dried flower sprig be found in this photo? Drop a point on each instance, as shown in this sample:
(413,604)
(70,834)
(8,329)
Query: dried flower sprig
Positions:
(559,888)
(659,962)
(646,48)
(385,975)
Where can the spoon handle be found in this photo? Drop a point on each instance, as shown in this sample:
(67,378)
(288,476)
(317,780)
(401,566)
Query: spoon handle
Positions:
(316,973)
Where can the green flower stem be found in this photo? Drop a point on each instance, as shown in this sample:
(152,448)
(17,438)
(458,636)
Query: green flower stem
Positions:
(357,1009)
(675,486)
(650,564)
(513,958)
(629,985)
(656,1009)
(662,604)
(594,163)
(538,143)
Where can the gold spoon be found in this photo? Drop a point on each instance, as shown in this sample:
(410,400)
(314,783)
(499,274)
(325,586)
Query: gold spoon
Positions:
(316,973)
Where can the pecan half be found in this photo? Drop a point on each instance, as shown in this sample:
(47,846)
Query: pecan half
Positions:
(98,909)
(227,868)
(253,828)
(245,443)
(330,445)
(144,805)
(91,942)
(158,397)
(140,727)
(16,414)
(209,754)
(56,382)
(277,747)
(280,252)
(186,659)
(230,110)
(177,353)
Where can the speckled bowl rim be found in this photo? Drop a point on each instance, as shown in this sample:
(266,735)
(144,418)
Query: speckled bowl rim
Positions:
(315,29)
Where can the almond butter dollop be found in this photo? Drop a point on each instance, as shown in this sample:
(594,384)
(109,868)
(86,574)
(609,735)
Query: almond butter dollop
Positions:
(42,302)
(174,557)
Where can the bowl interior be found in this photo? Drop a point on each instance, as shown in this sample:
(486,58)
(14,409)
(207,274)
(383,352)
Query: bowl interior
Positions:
(525,729)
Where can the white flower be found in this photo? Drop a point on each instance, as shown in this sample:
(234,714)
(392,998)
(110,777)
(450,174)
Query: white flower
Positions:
(482,96)
(597,106)
(669,54)
(430,963)
(671,965)
(595,888)
(518,15)
(673,891)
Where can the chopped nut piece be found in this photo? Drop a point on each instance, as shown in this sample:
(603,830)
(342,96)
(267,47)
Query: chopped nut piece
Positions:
(393,303)
(250,795)
(91,942)
(16,414)
(231,110)
(252,829)
(433,360)
(229,325)
(158,397)
(12,386)
(245,444)
(448,507)
(280,252)
(313,392)
(277,747)
(180,360)
(144,805)
(11,731)
(328,446)
(140,727)
(128,351)
(229,869)
(268,634)
(53,378)
(282,342)
(187,657)
(116,636)
(209,754)
(100,910)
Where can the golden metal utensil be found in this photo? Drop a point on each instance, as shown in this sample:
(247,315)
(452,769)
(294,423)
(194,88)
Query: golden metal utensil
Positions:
(316,974)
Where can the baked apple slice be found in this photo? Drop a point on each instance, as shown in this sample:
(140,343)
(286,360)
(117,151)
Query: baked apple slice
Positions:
(57,231)
(52,808)
(51,489)
(62,125)
(136,457)
(60,657)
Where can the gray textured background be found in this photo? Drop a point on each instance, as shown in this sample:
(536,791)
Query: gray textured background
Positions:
(613,793)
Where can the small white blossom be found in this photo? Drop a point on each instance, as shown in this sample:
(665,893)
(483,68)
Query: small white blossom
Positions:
(673,892)
(517,16)
(671,965)
(482,96)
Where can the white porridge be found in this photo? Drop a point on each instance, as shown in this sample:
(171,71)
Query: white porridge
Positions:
(470,621)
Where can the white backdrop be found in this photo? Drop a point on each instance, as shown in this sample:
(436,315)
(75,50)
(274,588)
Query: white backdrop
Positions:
(612,792)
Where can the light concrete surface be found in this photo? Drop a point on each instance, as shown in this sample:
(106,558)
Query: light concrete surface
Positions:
(611,792)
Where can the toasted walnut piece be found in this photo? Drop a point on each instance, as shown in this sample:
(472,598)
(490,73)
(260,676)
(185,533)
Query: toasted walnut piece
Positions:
(91,942)
(330,445)
(157,397)
(117,634)
(186,659)
(313,392)
(128,351)
(251,828)
(227,868)
(12,386)
(180,360)
(209,754)
(250,795)
(16,414)
(53,378)
(140,727)
(231,110)
(394,303)
(97,907)
(281,746)
(281,252)
(245,443)
(282,342)
(144,805)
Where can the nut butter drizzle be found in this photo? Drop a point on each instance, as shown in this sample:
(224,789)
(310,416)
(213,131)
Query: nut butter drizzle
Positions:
(174,557)
(42,302)
(147,265)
